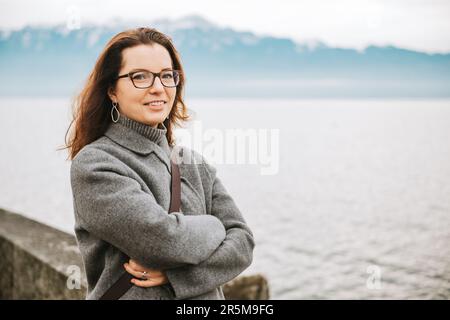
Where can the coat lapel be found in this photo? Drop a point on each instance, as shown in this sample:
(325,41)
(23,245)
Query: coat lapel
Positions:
(137,143)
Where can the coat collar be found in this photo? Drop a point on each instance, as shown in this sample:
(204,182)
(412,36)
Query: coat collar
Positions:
(141,138)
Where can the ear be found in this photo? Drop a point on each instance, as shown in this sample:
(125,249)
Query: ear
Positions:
(112,94)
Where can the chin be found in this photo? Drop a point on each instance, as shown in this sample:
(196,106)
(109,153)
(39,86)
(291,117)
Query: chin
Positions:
(153,121)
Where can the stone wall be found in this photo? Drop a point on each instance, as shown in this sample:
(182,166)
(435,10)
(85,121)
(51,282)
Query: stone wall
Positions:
(41,262)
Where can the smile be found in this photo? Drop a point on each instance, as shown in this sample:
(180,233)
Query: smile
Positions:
(155,103)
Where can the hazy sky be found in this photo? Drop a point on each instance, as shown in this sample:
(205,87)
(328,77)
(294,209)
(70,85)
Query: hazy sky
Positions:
(415,24)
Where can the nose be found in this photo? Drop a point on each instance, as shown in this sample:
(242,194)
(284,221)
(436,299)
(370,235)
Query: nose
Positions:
(157,85)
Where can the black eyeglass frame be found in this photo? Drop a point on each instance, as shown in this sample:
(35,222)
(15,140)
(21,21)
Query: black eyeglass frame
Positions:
(155,74)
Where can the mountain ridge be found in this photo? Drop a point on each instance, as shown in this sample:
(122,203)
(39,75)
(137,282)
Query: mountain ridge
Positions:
(221,61)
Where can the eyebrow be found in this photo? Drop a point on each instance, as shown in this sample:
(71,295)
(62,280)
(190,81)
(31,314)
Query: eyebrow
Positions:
(141,69)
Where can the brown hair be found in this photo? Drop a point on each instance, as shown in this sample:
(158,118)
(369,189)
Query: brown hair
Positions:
(92,106)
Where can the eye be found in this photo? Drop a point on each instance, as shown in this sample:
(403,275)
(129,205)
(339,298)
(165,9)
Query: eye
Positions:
(140,76)
(168,75)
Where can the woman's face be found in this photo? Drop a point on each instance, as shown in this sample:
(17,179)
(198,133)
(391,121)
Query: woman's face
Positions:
(133,102)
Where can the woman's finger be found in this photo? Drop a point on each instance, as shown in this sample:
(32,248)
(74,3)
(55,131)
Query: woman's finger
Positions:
(136,266)
(150,272)
(135,273)
(153,282)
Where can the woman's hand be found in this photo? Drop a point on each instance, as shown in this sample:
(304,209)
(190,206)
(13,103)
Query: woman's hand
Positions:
(154,277)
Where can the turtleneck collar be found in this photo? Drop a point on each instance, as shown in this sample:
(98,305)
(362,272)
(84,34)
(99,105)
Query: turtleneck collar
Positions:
(141,138)
(154,134)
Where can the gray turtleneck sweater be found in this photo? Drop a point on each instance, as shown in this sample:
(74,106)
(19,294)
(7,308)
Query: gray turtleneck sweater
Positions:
(121,195)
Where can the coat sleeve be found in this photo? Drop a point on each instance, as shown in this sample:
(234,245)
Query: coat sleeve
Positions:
(230,259)
(113,207)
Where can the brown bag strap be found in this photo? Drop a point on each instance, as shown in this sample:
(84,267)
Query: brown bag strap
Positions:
(123,284)
(175,194)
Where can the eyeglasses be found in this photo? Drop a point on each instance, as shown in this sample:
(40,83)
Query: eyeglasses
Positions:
(144,79)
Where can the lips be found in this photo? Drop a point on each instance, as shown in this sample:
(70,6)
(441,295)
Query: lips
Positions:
(152,103)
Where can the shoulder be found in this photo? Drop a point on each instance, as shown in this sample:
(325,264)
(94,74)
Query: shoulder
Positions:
(95,151)
(96,156)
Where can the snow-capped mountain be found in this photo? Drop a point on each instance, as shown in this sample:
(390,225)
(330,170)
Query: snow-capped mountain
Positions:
(221,61)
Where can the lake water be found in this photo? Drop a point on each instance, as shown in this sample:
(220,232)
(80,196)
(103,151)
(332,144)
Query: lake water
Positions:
(359,207)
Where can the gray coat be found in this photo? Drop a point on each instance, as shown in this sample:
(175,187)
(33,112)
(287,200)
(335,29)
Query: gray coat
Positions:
(121,196)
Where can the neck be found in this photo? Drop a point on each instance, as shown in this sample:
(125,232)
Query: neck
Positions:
(154,133)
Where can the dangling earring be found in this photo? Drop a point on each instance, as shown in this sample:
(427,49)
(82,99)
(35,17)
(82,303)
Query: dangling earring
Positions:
(114,104)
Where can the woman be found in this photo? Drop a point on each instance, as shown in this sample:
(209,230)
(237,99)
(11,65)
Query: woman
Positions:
(121,147)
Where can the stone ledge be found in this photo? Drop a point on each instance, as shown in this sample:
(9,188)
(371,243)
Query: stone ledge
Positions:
(254,287)
(38,260)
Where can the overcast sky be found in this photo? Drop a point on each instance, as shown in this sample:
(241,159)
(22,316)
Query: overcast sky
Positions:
(414,24)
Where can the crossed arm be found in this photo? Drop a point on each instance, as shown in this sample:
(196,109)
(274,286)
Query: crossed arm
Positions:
(198,253)
(113,207)
(231,257)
